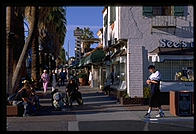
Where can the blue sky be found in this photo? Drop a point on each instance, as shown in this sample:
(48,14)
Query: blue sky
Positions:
(81,16)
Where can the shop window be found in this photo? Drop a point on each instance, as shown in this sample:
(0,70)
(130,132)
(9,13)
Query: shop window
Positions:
(150,58)
(163,11)
(176,70)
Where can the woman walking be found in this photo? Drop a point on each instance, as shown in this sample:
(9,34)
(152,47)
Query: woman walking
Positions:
(45,77)
(154,82)
(90,78)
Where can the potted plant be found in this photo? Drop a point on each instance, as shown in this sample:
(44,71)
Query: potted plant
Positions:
(82,79)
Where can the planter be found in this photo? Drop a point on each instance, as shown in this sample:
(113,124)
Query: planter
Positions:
(14,110)
(82,81)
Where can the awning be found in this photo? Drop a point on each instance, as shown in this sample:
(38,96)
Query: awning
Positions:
(161,54)
(96,57)
(82,62)
(173,51)
(115,54)
(74,65)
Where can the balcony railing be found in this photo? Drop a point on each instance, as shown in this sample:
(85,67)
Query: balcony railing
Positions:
(163,21)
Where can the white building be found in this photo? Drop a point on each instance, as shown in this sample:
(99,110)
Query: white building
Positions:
(147,29)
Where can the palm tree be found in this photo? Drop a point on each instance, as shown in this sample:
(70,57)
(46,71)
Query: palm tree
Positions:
(87,34)
(35,51)
(33,27)
(52,19)
(55,24)
(9,57)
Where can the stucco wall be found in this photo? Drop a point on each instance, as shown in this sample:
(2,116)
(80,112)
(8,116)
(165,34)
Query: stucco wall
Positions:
(137,29)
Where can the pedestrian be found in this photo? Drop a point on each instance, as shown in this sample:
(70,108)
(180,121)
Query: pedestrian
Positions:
(58,77)
(45,77)
(24,94)
(154,82)
(62,77)
(73,93)
(91,78)
(112,75)
(53,80)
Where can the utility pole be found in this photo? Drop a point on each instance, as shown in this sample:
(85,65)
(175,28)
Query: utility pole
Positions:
(68,60)
(68,52)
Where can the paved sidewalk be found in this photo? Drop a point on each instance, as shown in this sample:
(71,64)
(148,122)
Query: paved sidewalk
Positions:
(99,113)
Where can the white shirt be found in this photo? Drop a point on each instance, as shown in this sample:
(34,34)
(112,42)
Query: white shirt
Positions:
(155,76)
(90,76)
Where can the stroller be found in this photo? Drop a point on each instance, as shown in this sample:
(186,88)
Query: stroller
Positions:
(57,100)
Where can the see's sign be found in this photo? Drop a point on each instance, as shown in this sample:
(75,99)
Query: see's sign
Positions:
(171,44)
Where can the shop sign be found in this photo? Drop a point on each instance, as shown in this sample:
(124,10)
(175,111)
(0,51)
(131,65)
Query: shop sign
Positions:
(166,86)
(170,44)
(78,32)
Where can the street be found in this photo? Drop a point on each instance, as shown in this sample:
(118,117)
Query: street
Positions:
(99,113)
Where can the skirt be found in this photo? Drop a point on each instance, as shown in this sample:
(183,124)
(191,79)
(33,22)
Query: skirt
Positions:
(155,96)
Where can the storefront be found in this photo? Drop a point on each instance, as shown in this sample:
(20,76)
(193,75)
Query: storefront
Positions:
(146,30)
(175,65)
(94,62)
(116,61)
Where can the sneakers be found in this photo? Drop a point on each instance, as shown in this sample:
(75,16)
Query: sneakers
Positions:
(26,115)
(147,115)
(161,114)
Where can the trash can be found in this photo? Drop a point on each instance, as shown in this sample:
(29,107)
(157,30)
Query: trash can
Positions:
(181,103)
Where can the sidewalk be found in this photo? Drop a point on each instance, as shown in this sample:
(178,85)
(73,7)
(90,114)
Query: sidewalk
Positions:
(99,113)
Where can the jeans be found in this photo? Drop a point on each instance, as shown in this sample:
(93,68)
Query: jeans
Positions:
(26,108)
(62,81)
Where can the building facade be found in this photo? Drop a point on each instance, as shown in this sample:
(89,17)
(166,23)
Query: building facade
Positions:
(146,29)
(78,34)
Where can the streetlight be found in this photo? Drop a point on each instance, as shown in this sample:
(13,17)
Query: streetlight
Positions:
(40,56)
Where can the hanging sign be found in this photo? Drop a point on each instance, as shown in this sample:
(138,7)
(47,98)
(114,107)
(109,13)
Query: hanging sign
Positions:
(170,44)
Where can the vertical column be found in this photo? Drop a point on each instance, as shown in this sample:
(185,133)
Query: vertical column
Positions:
(135,69)
(41,62)
(92,71)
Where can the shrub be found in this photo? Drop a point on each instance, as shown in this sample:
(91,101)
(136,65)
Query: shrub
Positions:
(147,92)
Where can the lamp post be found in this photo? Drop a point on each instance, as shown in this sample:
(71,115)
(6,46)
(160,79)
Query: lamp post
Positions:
(50,62)
(40,56)
(53,63)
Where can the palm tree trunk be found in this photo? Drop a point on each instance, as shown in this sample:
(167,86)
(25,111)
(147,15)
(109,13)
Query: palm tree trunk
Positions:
(35,56)
(9,50)
(18,71)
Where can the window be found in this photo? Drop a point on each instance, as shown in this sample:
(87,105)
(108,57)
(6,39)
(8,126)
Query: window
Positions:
(163,11)
(169,68)
(150,58)
(105,20)
(112,14)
